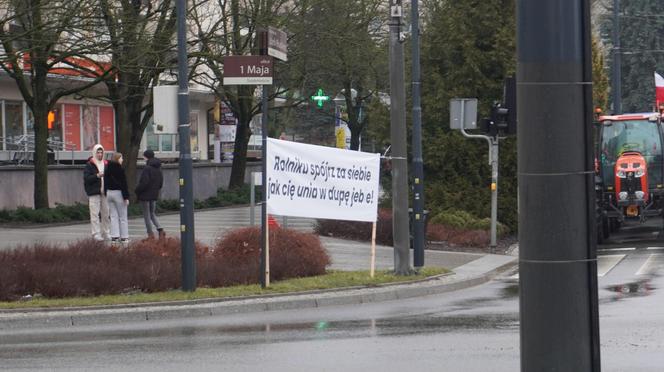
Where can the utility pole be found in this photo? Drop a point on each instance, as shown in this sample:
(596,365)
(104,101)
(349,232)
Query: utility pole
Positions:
(398,136)
(418,166)
(616,77)
(264,260)
(557,237)
(185,162)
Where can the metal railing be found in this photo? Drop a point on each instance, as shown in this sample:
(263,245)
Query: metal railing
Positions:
(22,149)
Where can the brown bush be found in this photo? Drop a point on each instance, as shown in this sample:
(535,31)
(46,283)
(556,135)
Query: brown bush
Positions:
(82,268)
(155,265)
(89,268)
(458,237)
(358,230)
(292,254)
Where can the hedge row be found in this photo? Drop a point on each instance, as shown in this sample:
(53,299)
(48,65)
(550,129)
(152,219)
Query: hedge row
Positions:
(80,212)
(455,227)
(89,268)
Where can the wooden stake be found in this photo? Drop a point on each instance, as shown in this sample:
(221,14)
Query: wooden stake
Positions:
(267,256)
(373,249)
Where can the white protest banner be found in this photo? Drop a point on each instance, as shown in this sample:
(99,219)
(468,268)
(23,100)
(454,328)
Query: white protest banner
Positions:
(321,182)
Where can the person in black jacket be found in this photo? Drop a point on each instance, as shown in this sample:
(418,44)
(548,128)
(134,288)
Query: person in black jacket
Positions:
(147,192)
(117,194)
(93,182)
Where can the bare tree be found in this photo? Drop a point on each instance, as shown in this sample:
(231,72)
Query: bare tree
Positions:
(40,39)
(230,27)
(341,45)
(141,35)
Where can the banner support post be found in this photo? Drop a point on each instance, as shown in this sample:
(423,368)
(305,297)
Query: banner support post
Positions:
(373,250)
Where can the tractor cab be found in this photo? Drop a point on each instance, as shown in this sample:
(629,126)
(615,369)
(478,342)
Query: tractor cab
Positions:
(630,166)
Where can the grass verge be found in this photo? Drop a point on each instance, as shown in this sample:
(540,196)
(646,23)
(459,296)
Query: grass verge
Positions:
(333,279)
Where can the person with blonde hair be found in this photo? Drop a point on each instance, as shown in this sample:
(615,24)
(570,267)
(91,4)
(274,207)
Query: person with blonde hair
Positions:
(117,194)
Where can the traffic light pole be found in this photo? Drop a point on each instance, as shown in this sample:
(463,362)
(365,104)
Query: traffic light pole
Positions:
(493,162)
(418,162)
(185,161)
(493,158)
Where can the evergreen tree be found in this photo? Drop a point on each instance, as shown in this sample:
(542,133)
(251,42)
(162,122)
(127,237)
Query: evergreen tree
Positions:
(468,50)
(600,77)
(641,27)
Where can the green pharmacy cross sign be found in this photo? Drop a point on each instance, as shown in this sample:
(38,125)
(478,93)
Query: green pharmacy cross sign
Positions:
(320,98)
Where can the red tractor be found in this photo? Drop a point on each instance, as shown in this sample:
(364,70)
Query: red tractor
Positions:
(629,169)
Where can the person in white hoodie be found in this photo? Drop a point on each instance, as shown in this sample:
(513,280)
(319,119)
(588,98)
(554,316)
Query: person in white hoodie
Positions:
(93,181)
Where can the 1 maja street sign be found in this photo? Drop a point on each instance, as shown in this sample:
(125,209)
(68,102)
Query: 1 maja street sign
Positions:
(248,70)
(277,44)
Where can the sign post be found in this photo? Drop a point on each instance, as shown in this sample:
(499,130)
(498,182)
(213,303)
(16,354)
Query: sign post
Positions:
(463,115)
(255,70)
(259,70)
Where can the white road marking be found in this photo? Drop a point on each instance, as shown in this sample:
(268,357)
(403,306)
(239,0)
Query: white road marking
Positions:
(618,249)
(651,264)
(607,263)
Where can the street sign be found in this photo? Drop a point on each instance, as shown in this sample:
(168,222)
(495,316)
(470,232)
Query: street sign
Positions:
(277,44)
(463,113)
(248,70)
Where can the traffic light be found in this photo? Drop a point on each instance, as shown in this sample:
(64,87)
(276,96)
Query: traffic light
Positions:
(510,104)
(50,120)
(489,126)
(503,116)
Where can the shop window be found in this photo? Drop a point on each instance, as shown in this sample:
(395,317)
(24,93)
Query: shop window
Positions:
(13,123)
(151,139)
(193,134)
(170,142)
(90,125)
(167,142)
(55,124)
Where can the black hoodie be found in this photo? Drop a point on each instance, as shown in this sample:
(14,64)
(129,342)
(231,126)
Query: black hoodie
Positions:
(151,181)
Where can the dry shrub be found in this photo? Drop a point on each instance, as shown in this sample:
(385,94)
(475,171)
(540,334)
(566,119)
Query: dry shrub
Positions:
(292,254)
(360,231)
(458,237)
(82,268)
(90,268)
(155,265)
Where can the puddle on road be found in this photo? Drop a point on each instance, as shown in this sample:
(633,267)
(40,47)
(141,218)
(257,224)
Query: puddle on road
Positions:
(637,288)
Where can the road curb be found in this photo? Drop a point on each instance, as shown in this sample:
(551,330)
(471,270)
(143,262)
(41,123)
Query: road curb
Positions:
(36,318)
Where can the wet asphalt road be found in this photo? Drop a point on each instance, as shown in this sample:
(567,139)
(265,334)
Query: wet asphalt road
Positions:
(471,330)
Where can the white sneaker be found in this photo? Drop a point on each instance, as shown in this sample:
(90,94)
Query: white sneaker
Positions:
(98,238)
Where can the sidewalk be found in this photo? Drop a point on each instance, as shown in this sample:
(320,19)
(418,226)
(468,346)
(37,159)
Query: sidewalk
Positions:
(469,269)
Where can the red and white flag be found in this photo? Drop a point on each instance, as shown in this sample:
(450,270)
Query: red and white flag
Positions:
(659,89)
